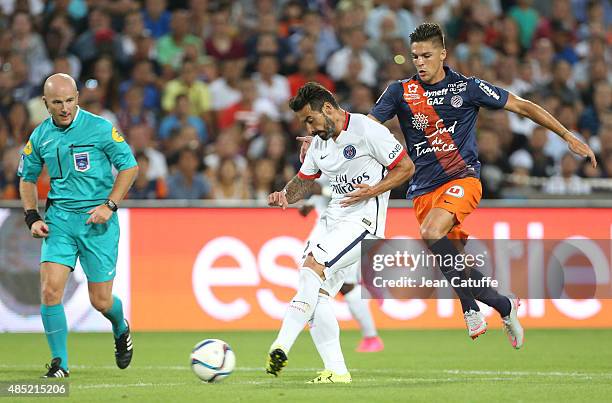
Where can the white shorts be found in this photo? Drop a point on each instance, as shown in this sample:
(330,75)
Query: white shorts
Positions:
(336,245)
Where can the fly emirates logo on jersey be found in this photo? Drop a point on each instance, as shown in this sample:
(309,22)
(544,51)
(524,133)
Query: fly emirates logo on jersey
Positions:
(434,142)
(341,184)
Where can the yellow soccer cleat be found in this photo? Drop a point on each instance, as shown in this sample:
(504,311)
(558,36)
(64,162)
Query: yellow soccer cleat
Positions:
(328,376)
(277,359)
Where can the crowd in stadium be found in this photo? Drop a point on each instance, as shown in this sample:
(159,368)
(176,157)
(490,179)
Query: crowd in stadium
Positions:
(200,88)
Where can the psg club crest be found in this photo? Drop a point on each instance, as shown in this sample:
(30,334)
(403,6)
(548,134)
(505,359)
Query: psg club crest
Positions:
(349,152)
(81,162)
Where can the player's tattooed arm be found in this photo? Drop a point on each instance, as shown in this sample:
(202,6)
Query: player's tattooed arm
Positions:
(295,190)
(298,188)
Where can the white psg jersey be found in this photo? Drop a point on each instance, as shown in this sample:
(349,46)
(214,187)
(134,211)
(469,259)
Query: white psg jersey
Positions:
(362,153)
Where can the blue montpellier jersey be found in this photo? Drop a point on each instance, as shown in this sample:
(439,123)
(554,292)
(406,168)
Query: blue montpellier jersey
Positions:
(439,125)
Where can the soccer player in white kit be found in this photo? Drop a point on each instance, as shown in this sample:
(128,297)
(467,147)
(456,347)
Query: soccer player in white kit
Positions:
(351,290)
(364,162)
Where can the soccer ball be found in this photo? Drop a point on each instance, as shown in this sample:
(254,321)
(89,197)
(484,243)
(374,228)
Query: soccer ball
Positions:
(212,360)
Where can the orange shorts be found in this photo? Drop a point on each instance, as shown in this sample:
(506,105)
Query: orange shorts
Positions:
(459,196)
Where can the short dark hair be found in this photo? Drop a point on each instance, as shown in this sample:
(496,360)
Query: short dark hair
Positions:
(313,94)
(428,32)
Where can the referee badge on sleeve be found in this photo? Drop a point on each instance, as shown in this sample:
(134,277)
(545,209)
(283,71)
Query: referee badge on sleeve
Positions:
(117,136)
(81,162)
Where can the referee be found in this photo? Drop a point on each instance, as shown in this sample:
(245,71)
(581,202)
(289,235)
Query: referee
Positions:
(79,150)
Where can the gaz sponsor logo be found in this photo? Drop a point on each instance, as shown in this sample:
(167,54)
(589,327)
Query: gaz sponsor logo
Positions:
(487,90)
(455,191)
(456,101)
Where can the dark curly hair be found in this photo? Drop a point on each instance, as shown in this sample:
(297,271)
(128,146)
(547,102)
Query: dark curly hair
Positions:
(313,94)
(428,32)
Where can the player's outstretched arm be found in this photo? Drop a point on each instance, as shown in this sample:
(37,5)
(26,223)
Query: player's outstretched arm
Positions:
(295,190)
(540,116)
(398,175)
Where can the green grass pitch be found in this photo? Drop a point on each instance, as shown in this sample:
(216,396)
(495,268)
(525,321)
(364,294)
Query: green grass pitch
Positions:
(428,366)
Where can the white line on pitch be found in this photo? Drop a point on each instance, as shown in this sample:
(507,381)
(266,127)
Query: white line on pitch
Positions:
(370,370)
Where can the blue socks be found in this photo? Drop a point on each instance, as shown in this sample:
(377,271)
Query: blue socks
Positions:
(115,315)
(56,330)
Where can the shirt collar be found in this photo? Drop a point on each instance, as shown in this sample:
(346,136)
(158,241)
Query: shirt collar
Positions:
(72,124)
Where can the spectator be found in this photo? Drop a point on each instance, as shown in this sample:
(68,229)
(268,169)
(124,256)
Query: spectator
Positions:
(19,123)
(270,84)
(338,62)
(197,91)
(591,118)
(567,182)
(133,27)
(224,90)
(30,46)
(527,19)
(188,181)
(99,38)
(248,111)
(405,20)
(543,163)
(323,35)
(180,118)
(263,179)
(229,182)
(223,42)
(494,164)
(144,187)
(134,112)
(475,46)
(143,75)
(9,181)
(141,141)
(172,46)
(309,71)
(156,18)
(105,78)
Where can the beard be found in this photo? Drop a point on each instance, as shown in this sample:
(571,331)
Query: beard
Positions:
(329,129)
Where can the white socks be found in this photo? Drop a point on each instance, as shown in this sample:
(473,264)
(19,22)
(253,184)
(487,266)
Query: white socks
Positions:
(360,310)
(325,333)
(300,310)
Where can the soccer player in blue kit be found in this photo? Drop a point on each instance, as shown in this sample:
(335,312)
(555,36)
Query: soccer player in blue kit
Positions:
(79,150)
(437,111)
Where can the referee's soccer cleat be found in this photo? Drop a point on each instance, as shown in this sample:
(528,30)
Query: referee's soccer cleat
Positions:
(277,360)
(55,370)
(475,322)
(512,327)
(124,348)
(327,376)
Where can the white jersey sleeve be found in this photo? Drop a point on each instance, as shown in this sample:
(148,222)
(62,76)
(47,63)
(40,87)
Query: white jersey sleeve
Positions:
(309,169)
(383,147)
